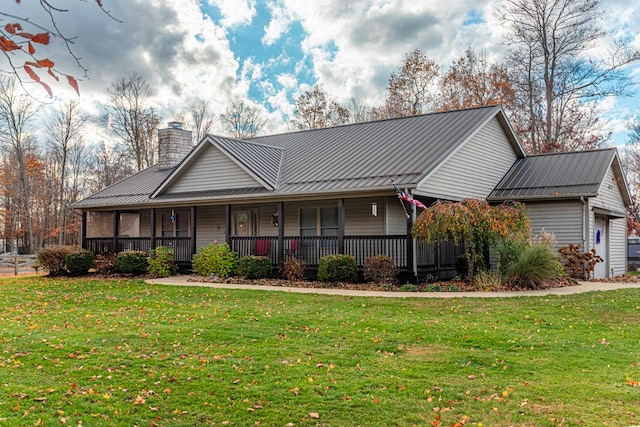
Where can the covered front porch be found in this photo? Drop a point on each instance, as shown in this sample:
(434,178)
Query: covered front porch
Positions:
(305,230)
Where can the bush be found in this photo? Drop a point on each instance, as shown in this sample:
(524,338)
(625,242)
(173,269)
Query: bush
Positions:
(105,263)
(254,267)
(54,258)
(338,268)
(508,252)
(131,262)
(216,259)
(488,280)
(78,263)
(536,264)
(161,262)
(293,269)
(380,269)
(578,264)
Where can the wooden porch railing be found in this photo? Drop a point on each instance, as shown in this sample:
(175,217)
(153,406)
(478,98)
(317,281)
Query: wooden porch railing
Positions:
(181,245)
(307,248)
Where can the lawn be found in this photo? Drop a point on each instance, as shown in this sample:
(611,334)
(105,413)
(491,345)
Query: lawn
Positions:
(124,353)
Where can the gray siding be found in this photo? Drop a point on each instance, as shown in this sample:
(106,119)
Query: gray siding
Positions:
(210,223)
(358,218)
(145,222)
(475,169)
(265,227)
(610,197)
(212,170)
(396,219)
(563,218)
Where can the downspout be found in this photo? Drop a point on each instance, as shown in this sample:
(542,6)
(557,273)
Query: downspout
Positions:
(584,215)
(584,232)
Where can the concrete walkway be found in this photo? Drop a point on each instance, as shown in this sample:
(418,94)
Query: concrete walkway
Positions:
(569,290)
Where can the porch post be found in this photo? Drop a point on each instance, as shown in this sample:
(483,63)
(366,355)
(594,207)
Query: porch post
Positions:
(153,228)
(116,220)
(227,224)
(83,230)
(410,246)
(341,226)
(193,230)
(280,232)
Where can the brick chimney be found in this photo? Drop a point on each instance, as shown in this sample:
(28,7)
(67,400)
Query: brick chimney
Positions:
(174,143)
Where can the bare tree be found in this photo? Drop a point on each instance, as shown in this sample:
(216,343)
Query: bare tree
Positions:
(631,164)
(107,166)
(242,121)
(65,142)
(203,119)
(474,81)
(411,89)
(315,110)
(132,120)
(16,113)
(359,110)
(554,74)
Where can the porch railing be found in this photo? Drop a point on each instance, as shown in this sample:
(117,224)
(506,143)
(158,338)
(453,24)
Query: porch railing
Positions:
(307,248)
(181,245)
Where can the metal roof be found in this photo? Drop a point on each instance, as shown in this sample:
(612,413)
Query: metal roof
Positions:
(372,154)
(361,156)
(556,175)
(262,160)
(133,190)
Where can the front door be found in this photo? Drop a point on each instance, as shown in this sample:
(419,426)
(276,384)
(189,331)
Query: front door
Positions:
(601,246)
(243,223)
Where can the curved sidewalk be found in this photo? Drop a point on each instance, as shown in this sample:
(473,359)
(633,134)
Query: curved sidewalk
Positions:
(569,290)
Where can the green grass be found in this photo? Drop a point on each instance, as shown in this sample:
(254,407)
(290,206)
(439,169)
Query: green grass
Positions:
(124,353)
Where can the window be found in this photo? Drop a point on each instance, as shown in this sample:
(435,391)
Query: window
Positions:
(327,226)
(309,222)
(175,223)
(328,221)
(129,224)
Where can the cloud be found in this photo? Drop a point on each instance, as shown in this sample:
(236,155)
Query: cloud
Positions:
(270,50)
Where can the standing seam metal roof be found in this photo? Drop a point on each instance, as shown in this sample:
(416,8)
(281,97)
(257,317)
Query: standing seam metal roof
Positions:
(350,157)
(570,174)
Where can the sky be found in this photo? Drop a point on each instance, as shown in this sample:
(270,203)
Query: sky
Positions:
(268,52)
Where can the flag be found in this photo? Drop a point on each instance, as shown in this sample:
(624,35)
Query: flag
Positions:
(404,196)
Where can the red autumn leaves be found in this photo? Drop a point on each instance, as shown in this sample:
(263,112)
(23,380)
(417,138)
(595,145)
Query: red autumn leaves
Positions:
(14,38)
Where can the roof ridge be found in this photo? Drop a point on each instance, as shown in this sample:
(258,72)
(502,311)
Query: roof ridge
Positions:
(389,119)
(557,153)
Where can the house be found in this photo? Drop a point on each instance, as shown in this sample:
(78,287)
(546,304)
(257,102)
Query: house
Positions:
(311,193)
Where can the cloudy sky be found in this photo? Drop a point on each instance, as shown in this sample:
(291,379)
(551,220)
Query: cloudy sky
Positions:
(269,51)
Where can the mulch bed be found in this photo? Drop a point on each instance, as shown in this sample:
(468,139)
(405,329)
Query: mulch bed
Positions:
(443,286)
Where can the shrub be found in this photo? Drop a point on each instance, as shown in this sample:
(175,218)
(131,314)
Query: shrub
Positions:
(293,269)
(508,252)
(216,259)
(380,269)
(254,267)
(536,264)
(54,258)
(105,263)
(578,264)
(488,280)
(338,268)
(79,262)
(132,262)
(161,262)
